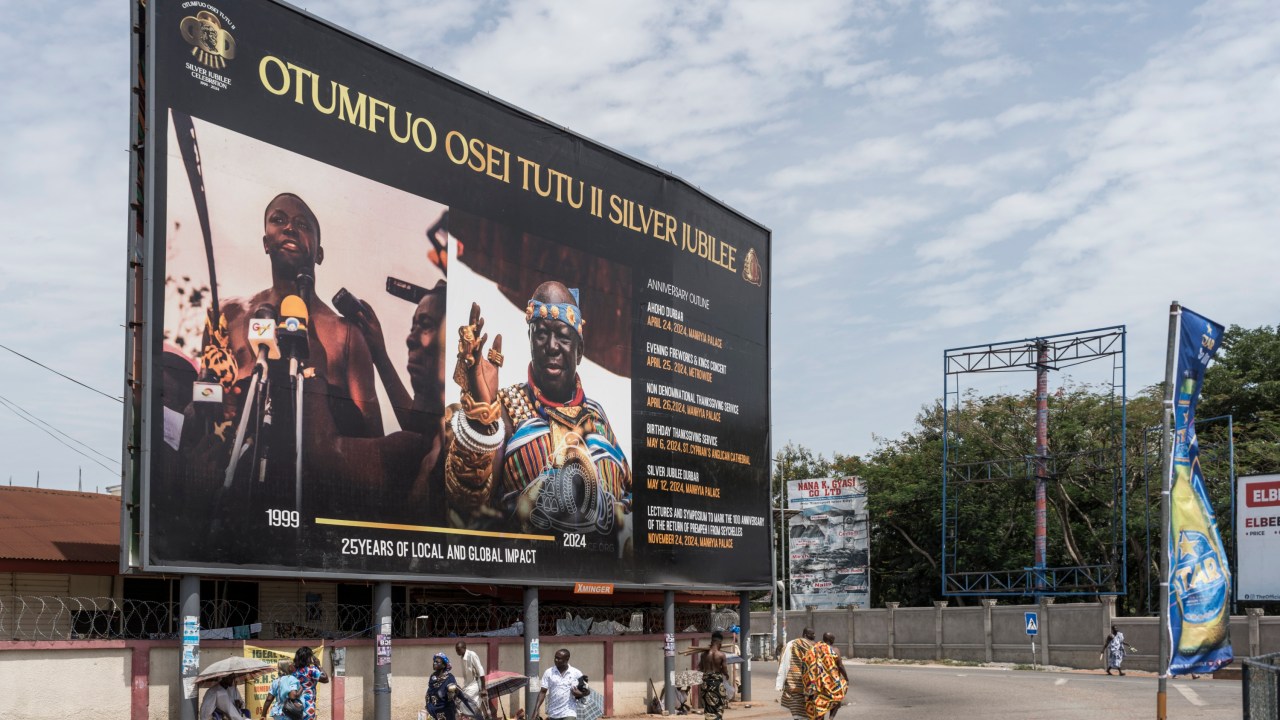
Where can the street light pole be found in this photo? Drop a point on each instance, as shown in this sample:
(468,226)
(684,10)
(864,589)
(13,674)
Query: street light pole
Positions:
(773,569)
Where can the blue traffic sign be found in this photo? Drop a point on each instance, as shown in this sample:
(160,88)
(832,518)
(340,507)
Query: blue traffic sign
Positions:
(1033,623)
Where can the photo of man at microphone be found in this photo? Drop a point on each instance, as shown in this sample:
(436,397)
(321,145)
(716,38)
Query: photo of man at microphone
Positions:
(288,421)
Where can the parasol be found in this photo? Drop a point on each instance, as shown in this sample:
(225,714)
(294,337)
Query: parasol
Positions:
(503,682)
(236,668)
(591,707)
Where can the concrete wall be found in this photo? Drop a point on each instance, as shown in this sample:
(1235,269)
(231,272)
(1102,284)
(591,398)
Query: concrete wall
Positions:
(139,679)
(1070,634)
(54,685)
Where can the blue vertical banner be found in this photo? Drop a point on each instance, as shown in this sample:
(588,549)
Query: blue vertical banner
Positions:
(1200,581)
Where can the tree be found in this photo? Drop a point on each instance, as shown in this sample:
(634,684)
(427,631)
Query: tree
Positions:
(1244,382)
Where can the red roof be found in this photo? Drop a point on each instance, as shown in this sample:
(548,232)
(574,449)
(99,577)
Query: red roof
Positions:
(58,525)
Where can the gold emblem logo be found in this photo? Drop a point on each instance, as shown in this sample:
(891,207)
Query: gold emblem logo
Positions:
(751,271)
(210,43)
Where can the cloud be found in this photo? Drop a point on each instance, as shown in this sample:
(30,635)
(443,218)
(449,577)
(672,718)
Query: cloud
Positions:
(890,155)
(960,17)
(1168,193)
(987,173)
(900,91)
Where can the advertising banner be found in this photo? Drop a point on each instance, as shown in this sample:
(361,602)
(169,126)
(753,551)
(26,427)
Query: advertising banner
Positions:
(399,328)
(829,546)
(1200,586)
(1258,538)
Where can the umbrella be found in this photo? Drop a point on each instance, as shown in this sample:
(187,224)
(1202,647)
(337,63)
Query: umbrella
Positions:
(503,682)
(591,707)
(236,668)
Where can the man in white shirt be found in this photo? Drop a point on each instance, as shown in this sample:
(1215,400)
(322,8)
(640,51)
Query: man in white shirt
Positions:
(560,689)
(219,698)
(470,677)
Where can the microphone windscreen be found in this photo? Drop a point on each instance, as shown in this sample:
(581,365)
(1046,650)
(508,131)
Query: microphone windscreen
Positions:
(266,311)
(293,307)
(306,283)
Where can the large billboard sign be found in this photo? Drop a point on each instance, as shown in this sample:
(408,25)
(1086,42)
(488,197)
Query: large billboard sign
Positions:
(1258,538)
(392,327)
(829,545)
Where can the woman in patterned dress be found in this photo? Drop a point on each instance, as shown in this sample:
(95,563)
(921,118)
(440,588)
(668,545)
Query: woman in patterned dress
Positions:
(307,669)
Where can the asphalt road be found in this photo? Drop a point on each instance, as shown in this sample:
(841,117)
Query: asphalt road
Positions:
(889,691)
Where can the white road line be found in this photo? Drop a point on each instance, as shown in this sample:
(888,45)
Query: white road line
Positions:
(1189,694)
(1060,681)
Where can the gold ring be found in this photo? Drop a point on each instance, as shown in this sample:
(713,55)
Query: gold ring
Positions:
(495,357)
(468,333)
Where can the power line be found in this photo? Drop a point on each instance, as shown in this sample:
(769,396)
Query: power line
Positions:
(55,372)
(60,441)
(26,412)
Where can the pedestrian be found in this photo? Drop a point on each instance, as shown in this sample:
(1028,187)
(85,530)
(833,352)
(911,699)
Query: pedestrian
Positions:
(714,672)
(472,677)
(791,669)
(306,668)
(285,687)
(825,679)
(217,703)
(1114,649)
(561,685)
(443,694)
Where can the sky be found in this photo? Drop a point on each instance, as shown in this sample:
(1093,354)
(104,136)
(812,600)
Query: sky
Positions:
(936,173)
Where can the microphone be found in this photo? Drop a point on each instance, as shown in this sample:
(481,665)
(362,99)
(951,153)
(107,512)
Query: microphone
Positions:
(206,401)
(292,331)
(262,335)
(306,286)
(206,391)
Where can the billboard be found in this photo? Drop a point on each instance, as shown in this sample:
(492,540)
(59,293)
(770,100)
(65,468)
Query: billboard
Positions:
(390,327)
(1257,538)
(829,545)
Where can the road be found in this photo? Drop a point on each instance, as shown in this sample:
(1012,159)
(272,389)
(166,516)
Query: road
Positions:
(890,691)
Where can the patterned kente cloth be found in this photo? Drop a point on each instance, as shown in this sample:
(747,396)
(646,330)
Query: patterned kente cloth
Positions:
(539,428)
(793,686)
(824,685)
(713,696)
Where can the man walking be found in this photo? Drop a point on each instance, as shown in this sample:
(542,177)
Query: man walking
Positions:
(561,685)
(713,676)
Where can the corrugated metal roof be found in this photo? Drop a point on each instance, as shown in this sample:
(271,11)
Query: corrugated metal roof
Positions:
(41,524)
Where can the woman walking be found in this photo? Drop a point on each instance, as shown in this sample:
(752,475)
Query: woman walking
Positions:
(1115,648)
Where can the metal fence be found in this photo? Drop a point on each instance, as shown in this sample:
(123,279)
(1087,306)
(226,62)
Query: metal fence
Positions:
(75,618)
(1261,687)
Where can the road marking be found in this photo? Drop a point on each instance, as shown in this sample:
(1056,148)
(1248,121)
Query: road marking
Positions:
(1060,681)
(1189,694)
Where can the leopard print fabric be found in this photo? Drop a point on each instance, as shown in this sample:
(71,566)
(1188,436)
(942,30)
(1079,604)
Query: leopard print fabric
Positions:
(216,353)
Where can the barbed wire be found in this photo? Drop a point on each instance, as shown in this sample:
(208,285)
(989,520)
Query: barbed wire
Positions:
(35,617)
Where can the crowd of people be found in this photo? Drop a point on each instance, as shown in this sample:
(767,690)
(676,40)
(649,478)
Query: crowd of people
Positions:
(449,696)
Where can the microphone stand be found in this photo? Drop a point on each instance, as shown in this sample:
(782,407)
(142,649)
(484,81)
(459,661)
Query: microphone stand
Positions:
(250,408)
(299,380)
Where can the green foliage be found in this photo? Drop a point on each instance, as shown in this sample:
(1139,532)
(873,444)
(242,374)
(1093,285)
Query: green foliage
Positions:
(904,480)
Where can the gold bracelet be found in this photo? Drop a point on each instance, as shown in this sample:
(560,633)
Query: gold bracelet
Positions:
(483,413)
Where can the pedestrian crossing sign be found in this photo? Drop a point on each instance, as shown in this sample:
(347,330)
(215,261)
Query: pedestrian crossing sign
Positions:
(1033,623)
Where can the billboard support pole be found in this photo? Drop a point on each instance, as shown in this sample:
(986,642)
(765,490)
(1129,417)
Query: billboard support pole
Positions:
(382,663)
(744,642)
(531,654)
(189,592)
(669,656)
(1042,465)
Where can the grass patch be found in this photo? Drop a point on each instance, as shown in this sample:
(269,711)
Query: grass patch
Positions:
(1024,666)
